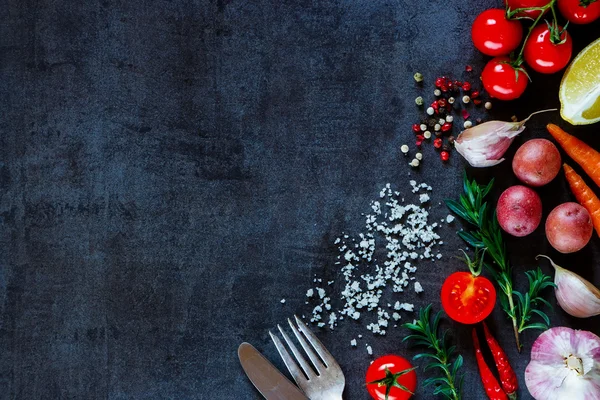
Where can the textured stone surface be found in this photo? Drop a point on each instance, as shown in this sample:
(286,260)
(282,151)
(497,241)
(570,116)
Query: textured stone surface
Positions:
(170,170)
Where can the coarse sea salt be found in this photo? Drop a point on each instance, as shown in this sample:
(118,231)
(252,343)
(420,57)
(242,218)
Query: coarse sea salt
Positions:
(401,234)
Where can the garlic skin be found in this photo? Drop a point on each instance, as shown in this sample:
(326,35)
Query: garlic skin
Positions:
(565,364)
(484,145)
(577,296)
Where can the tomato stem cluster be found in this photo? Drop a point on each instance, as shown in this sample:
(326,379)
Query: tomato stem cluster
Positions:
(512,14)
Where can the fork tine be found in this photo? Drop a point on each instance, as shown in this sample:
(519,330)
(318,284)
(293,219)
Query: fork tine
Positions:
(319,366)
(305,367)
(288,361)
(316,343)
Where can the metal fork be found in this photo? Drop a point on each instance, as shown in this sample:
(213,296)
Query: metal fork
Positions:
(325,379)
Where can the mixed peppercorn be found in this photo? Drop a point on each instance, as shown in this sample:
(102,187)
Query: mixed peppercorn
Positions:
(439,118)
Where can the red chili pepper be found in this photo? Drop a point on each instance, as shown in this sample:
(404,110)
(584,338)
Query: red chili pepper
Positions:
(490,383)
(508,378)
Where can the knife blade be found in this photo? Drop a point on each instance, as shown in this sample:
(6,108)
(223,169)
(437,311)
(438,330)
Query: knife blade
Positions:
(271,383)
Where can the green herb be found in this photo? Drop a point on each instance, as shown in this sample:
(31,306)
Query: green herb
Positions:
(487,235)
(426,334)
(391,380)
(526,304)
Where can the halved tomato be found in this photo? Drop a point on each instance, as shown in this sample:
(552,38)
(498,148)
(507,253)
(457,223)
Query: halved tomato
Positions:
(467,298)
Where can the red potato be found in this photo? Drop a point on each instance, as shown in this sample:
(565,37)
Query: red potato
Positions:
(569,227)
(536,162)
(519,210)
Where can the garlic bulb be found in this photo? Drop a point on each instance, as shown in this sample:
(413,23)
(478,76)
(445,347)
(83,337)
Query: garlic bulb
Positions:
(565,365)
(577,296)
(484,145)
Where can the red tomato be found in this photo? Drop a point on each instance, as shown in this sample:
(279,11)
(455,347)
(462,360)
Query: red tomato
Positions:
(514,4)
(386,370)
(494,35)
(468,299)
(502,81)
(580,11)
(543,55)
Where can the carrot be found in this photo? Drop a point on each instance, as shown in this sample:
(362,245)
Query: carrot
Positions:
(581,153)
(584,195)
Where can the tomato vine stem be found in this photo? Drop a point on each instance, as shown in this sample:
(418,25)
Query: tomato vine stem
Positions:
(510,14)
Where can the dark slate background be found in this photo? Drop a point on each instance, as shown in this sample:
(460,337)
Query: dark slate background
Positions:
(170,170)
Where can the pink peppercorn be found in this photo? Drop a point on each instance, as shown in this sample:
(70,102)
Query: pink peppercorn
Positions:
(437,143)
(445,156)
(416,128)
(466,86)
(446,127)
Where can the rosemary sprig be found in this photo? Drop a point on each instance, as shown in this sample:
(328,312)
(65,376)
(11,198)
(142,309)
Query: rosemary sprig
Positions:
(426,333)
(526,304)
(487,235)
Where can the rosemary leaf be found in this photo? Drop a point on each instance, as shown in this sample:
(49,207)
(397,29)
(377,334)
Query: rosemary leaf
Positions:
(426,333)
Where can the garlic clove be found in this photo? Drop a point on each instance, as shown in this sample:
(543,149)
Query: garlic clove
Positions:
(484,145)
(574,294)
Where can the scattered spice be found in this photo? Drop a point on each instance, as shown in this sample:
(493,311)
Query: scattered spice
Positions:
(439,118)
(418,77)
(488,105)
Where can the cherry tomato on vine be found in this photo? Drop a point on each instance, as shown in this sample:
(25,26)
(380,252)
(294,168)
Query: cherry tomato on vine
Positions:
(544,55)
(503,81)
(494,35)
(387,371)
(580,11)
(514,4)
(467,298)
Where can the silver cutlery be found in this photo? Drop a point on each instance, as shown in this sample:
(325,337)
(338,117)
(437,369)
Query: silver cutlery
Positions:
(323,379)
(271,383)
